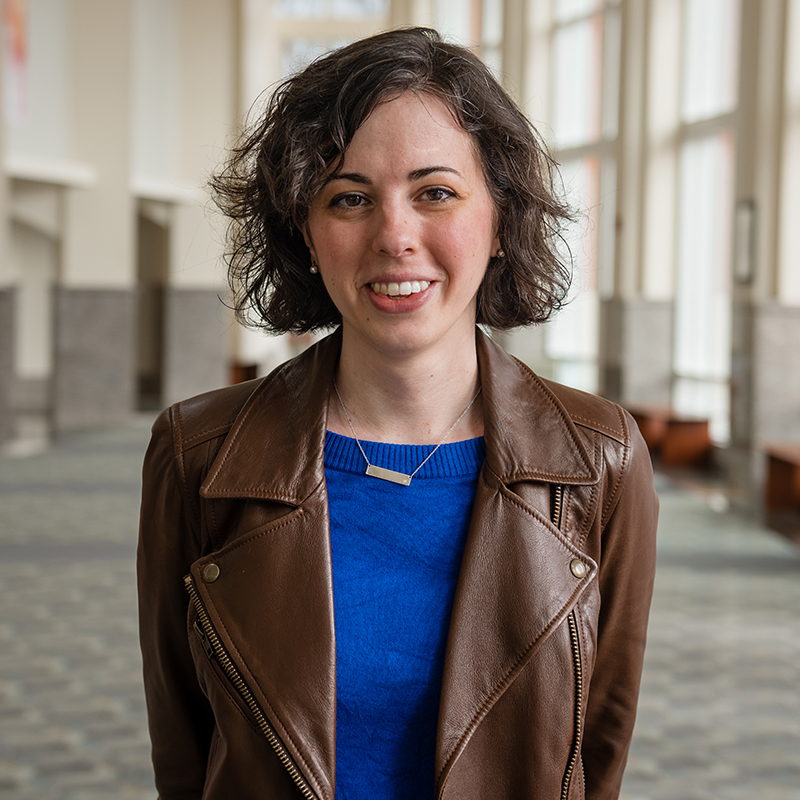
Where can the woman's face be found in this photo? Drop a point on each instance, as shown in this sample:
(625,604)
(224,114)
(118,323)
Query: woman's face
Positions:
(404,231)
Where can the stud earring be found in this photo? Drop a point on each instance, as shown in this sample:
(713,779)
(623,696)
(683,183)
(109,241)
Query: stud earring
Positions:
(501,254)
(313,269)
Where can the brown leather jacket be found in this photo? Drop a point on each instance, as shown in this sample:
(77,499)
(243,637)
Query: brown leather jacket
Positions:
(547,633)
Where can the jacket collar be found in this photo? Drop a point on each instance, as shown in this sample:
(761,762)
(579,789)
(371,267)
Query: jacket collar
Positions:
(274,450)
(529,434)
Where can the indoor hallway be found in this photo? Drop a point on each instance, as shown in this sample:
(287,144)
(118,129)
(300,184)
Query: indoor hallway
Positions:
(720,709)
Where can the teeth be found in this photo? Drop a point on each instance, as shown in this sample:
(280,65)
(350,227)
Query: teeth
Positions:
(400,289)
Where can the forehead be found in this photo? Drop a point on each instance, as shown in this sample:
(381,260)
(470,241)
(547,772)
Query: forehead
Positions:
(413,127)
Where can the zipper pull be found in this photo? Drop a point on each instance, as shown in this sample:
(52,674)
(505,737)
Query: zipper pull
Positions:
(204,639)
(558,500)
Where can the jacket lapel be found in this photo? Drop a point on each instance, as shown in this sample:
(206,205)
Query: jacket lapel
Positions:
(273,600)
(275,449)
(529,435)
(272,608)
(515,586)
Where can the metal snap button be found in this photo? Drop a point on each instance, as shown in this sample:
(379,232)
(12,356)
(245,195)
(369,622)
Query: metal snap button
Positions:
(210,573)
(578,568)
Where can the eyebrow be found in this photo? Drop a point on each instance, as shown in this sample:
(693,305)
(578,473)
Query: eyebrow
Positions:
(414,175)
(425,171)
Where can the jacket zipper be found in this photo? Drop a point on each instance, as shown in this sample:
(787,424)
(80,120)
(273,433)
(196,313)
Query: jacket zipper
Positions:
(576,660)
(215,650)
(558,501)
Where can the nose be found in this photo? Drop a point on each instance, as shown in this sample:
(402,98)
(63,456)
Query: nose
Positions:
(395,229)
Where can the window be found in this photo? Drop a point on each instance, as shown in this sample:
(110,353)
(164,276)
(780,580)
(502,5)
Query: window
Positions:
(333,9)
(584,108)
(702,316)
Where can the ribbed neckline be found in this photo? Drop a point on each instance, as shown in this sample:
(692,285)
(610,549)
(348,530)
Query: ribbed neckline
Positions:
(450,460)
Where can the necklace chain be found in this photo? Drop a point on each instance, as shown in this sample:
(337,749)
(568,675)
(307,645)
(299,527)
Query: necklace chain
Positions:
(388,474)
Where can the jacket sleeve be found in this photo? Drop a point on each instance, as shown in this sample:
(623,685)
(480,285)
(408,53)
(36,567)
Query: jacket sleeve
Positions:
(627,570)
(179,716)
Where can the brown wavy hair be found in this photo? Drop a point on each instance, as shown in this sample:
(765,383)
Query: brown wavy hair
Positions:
(269,181)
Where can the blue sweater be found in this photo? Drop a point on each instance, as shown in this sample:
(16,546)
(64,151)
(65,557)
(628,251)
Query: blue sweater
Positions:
(396,555)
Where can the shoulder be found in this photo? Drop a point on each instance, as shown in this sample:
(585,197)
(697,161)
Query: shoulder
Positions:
(625,467)
(514,384)
(593,413)
(186,436)
(598,418)
(212,415)
(208,416)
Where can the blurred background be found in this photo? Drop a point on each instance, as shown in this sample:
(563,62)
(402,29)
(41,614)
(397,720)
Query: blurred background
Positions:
(677,127)
(676,124)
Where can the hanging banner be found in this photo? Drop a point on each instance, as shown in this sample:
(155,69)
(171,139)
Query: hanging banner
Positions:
(15,20)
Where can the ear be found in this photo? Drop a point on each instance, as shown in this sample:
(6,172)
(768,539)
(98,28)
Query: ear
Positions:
(496,246)
(309,243)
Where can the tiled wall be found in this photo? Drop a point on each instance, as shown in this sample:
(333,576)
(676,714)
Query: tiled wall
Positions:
(94,374)
(636,353)
(196,343)
(776,367)
(6,362)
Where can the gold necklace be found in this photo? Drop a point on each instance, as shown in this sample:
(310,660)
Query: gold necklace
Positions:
(389,474)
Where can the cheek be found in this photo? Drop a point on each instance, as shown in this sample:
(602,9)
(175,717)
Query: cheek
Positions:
(471,244)
(335,244)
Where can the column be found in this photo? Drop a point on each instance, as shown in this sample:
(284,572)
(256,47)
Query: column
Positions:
(767,311)
(636,325)
(646,255)
(6,296)
(95,302)
(197,346)
(410,12)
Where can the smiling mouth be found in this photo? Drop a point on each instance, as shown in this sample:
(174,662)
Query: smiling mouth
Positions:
(402,289)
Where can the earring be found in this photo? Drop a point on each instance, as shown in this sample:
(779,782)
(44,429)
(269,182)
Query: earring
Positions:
(313,269)
(501,254)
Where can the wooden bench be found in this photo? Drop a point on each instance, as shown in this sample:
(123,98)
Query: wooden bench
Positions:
(239,372)
(677,439)
(782,489)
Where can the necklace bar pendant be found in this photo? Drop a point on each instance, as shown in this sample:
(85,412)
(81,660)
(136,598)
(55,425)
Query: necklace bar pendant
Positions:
(388,475)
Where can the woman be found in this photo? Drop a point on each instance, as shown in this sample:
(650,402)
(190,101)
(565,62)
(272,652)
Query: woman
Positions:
(411,567)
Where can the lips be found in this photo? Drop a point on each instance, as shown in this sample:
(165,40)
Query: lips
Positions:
(401,289)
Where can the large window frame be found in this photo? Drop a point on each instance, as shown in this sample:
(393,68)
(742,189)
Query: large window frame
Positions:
(706,145)
(584,42)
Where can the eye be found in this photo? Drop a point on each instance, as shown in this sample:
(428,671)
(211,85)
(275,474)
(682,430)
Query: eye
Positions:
(437,194)
(349,200)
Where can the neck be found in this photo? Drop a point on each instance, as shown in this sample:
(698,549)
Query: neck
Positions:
(407,399)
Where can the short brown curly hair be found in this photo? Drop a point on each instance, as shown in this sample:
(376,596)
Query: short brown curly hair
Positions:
(268,184)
